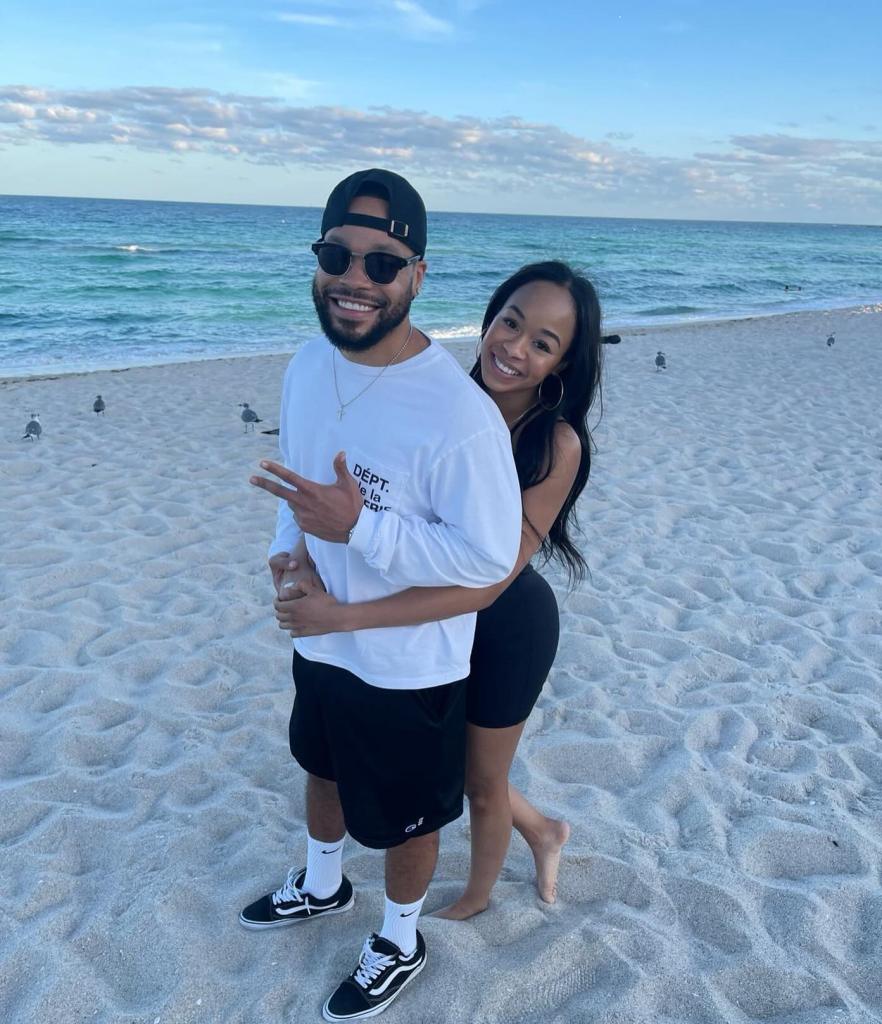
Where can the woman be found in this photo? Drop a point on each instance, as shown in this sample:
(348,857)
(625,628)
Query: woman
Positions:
(539,359)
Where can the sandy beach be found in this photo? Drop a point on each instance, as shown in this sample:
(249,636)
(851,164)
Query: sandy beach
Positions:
(712,728)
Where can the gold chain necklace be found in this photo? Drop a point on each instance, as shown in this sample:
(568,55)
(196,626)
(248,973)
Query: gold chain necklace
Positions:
(341,405)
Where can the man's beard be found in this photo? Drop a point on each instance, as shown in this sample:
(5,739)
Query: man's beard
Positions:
(390,316)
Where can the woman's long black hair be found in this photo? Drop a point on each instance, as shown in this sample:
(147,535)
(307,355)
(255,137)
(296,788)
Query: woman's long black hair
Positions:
(580,374)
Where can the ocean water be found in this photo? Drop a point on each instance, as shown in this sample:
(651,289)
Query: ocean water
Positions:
(88,284)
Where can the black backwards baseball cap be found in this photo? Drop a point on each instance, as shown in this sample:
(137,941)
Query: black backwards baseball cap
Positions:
(407,212)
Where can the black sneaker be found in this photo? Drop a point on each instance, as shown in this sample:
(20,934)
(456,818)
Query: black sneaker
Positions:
(290,904)
(382,972)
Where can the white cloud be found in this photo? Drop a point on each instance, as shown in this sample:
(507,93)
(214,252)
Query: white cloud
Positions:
(401,17)
(418,21)
(289,88)
(465,155)
(320,20)
(13,112)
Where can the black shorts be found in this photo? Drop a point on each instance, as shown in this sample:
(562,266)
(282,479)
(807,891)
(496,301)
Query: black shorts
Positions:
(515,644)
(397,756)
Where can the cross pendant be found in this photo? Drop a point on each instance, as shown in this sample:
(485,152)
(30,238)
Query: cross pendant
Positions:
(340,413)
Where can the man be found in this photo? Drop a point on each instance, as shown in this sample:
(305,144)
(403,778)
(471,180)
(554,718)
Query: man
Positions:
(400,473)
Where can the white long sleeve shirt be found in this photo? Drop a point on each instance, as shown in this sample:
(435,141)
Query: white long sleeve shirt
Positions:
(442,504)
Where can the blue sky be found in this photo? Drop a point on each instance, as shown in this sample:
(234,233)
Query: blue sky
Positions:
(758,111)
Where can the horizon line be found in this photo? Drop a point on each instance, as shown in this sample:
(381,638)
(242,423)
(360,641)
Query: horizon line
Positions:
(461,213)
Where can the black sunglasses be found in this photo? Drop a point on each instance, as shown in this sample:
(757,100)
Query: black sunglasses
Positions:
(380,267)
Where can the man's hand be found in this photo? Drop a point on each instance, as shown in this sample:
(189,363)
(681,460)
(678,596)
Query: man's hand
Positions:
(327,511)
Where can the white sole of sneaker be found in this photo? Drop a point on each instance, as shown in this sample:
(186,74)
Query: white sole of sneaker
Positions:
(253,926)
(377,1009)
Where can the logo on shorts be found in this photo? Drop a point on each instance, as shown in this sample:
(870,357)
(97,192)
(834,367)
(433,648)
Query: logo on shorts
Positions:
(413,828)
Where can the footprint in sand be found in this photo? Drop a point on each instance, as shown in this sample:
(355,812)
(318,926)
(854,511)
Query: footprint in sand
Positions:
(711,914)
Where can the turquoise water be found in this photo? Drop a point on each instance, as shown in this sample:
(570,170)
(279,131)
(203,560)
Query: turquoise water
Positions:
(86,284)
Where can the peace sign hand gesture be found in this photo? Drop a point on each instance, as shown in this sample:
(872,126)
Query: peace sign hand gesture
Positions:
(327,511)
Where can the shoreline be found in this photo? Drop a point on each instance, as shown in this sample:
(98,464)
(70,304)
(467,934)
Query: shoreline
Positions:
(631,330)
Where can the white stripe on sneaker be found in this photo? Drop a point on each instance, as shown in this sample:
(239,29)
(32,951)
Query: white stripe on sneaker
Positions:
(398,970)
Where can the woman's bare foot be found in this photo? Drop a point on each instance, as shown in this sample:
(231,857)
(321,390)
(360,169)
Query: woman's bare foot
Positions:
(546,854)
(462,910)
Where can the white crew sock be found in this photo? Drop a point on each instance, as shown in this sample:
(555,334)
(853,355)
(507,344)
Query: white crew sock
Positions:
(324,867)
(400,924)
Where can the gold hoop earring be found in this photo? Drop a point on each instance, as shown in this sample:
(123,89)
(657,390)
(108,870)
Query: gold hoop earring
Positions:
(545,405)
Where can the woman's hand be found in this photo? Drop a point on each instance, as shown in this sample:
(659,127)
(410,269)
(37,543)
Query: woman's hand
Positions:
(313,613)
(294,573)
(279,564)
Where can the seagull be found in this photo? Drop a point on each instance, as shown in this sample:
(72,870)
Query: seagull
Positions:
(33,429)
(98,405)
(249,416)
(831,341)
(660,363)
